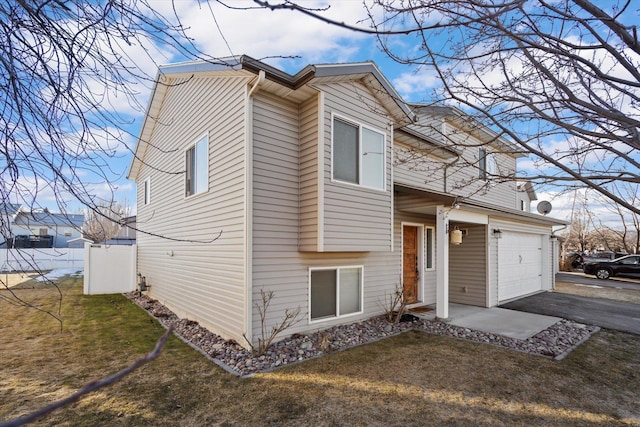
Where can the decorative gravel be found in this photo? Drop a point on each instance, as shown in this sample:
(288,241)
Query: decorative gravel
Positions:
(554,342)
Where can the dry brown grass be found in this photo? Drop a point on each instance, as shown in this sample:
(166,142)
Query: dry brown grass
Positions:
(412,380)
(625,295)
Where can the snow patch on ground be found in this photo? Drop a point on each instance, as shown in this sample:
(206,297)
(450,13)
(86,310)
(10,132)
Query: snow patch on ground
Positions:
(59,273)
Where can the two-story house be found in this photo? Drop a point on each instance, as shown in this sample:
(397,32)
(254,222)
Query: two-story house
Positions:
(326,188)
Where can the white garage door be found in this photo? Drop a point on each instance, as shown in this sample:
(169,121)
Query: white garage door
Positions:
(519,264)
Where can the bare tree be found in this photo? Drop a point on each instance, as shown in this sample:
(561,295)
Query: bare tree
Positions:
(66,75)
(560,79)
(626,235)
(579,230)
(70,75)
(105,221)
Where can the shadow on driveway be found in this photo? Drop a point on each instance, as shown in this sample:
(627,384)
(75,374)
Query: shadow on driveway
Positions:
(608,314)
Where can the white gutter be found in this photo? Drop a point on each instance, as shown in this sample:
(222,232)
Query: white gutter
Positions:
(261,77)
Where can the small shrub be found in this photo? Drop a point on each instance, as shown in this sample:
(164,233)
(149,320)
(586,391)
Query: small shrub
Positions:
(290,318)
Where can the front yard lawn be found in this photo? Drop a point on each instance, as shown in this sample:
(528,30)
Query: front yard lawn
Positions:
(413,379)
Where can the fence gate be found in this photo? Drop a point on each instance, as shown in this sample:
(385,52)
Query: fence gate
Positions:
(109,269)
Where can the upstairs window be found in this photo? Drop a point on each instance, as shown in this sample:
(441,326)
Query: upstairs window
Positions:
(487,164)
(358,155)
(197,167)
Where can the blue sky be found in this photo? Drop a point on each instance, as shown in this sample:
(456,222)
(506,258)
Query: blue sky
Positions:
(265,34)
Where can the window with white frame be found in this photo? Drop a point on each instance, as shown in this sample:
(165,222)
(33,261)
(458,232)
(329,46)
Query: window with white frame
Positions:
(147,191)
(335,292)
(197,167)
(487,164)
(358,154)
(430,244)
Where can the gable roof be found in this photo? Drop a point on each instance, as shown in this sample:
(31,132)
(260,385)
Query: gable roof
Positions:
(49,219)
(9,208)
(526,187)
(368,72)
(470,124)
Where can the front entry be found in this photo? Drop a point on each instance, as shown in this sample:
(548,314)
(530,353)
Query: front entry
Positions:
(410,265)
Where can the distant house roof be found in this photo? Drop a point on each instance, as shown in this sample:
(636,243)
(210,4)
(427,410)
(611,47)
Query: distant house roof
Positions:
(9,208)
(49,219)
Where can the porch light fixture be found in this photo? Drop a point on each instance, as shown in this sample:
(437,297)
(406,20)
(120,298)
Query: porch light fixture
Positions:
(456,236)
(497,233)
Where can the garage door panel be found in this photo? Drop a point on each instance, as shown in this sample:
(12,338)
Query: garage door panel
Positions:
(519,264)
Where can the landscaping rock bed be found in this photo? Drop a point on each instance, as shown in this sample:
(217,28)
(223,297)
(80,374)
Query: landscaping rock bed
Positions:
(555,341)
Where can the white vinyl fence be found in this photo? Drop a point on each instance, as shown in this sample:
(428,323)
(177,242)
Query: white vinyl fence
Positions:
(32,259)
(109,269)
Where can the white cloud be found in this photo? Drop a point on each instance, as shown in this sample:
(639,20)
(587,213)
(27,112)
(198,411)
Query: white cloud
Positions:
(221,31)
(583,203)
(412,86)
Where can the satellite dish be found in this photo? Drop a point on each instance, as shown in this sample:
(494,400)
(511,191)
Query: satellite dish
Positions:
(544,207)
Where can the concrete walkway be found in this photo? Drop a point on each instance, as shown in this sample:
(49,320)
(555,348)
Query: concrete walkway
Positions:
(499,321)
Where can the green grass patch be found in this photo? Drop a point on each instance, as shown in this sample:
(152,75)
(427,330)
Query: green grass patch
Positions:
(412,380)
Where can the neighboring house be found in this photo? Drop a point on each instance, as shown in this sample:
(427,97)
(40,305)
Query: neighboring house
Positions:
(526,194)
(327,189)
(8,213)
(51,229)
(126,234)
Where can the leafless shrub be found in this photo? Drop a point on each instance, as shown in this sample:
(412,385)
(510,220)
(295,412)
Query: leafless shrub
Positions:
(395,305)
(290,318)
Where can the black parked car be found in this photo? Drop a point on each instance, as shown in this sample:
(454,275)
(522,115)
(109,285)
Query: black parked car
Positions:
(625,266)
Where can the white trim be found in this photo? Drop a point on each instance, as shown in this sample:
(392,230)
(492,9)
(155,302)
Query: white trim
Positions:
(460,215)
(321,159)
(442,262)
(189,147)
(433,248)
(384,153)
(248,218)
(337,316)
(488,257)
(421,255)
(393,198)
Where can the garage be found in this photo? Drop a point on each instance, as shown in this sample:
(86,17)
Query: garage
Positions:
(519,264)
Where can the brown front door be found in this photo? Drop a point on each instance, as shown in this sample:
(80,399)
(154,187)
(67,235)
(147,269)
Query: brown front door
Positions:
(410,268)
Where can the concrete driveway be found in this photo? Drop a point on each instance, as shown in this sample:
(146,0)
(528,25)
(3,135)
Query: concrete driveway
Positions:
(608,314)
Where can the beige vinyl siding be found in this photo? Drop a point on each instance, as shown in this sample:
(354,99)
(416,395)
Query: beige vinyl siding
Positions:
(468,266)
(278,264)
(417,168)
(309,206)
(197,270)
(519,227)
(463,177)
(356,218)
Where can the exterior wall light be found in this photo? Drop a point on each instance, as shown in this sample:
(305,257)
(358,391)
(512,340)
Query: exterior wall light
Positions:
(456,236)
(497,233)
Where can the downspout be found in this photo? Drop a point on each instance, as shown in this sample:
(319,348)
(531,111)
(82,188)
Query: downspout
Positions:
(248,236)
(261,77)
